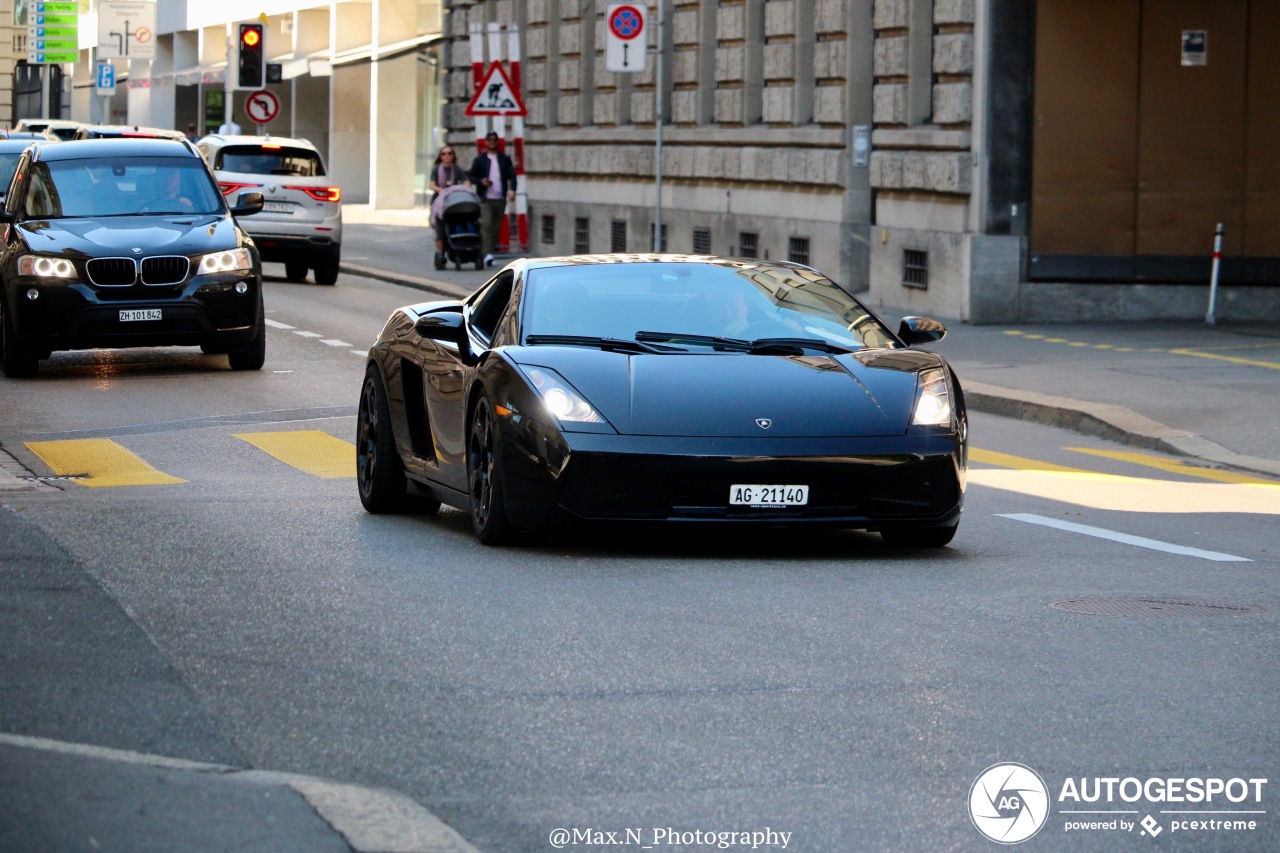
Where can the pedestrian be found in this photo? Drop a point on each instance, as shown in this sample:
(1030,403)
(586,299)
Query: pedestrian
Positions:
(445,173)
(494,177)
(229,128)
(191,132)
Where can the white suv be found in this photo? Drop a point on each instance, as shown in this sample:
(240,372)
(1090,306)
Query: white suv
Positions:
(301,220)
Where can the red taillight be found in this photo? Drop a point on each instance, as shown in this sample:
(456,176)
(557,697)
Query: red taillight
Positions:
(321,193)
(229,187)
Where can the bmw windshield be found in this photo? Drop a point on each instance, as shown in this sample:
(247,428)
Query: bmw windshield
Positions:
(121,186)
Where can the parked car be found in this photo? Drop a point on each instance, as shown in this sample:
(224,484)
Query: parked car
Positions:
(125,131)
(301,221)
(124,243)
(656,389)
(60,128)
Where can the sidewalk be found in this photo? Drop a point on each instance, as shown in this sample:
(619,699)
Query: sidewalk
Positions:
(1212,393)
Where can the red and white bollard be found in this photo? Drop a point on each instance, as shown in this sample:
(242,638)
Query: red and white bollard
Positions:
(1213,276)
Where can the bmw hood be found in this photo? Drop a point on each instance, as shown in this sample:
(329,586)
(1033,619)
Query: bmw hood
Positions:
(119,236)
(869,393)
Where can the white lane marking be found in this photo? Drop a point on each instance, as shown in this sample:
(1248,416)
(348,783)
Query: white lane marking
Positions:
(334,342)
(359,352)
(1103,533)
(308,334)
(276,324)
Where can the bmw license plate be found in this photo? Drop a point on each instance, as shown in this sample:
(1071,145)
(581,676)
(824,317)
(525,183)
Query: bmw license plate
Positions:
(768,496)
(141,314)
(277,207)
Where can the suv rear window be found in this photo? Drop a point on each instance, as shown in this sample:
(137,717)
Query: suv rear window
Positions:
(262,160)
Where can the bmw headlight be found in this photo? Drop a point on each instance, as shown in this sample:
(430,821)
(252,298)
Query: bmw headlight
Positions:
(560,400)
(43,267)
(933,408)
(233,260)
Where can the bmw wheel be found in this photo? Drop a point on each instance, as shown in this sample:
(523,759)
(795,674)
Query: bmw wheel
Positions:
(484,475)
(254,355)
(17,363)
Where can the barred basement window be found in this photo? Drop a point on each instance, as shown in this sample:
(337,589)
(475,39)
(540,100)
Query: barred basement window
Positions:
(581,235)
(702,241)
(915,268)
(798,250)
(618,236)
(747,242)
(662,246)
(548,228)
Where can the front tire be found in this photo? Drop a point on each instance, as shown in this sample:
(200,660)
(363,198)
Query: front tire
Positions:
(485,477)
(919,537)
(18,364)
(253,356)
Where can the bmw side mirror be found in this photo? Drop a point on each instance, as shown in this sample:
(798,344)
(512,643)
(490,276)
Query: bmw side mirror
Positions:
(247,204)
(920,330)
(442,326)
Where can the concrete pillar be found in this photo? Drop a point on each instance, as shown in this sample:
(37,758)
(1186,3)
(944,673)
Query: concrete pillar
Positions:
(392,88)
(350,98)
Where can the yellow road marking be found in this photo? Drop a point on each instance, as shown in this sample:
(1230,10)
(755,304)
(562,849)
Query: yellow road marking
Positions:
(1055,340)
(1133,494)
(308,450)
(1022,463)
(1250,361)
(1012,332)
(1173,466)
(100,462)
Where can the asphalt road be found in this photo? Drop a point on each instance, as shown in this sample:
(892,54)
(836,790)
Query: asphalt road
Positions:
(815,683)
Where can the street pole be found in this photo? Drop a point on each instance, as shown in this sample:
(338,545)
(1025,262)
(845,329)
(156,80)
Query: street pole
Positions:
(45,86)
(657,112)
(1213,276)
(227,90)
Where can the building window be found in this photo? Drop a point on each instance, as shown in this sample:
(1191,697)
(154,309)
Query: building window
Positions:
(702,241)
(618,236)
(915,268)
(747,242)
(581,235)
(548,229)
(662,247)
(798,250)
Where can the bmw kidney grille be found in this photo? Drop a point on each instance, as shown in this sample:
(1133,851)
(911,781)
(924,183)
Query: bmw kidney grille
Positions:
(123,272)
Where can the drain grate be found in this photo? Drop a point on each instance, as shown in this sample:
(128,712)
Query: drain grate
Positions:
(1152,607)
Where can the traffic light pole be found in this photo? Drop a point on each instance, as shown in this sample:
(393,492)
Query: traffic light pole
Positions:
(228,85)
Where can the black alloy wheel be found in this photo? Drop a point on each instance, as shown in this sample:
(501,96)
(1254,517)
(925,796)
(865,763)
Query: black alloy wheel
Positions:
(295,271)
(254,355)
(380,475)
(17,363)
(919,537)
(484,475)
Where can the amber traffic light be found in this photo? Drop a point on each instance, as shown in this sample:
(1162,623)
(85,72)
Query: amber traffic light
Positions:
(251,71)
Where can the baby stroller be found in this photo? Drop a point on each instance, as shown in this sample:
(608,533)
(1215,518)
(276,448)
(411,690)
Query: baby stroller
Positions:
(460,227)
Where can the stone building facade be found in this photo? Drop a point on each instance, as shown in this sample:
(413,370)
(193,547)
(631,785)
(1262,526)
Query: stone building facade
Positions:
(769,107)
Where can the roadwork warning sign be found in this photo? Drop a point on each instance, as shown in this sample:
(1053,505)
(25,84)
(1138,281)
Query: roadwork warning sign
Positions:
(496,96)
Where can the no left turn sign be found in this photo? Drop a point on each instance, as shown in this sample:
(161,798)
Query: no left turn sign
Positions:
(261,107)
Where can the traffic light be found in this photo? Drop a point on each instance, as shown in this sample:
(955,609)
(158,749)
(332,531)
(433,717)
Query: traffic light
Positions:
(251,65)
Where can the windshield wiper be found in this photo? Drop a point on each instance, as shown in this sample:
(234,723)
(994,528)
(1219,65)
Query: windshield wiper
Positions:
(617,344)
(759,346)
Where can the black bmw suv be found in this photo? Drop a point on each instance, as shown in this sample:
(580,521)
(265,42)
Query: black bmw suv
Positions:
(126,243)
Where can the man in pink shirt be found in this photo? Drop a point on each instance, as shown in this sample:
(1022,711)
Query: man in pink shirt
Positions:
(494,177)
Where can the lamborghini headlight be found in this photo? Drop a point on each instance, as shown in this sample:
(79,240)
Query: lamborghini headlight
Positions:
(45,267)
(233,260)
(933,407)
(560,400)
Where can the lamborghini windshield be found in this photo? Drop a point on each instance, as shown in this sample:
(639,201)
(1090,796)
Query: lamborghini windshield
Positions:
(697,304)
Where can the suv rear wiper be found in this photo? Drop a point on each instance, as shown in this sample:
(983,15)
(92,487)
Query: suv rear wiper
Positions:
(617,344)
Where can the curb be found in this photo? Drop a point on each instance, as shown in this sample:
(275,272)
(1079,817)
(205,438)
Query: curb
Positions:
(372,820)
(424,284)
(1115,423)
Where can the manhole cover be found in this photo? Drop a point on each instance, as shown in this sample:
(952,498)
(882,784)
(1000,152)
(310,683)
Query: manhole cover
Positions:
(1159,608)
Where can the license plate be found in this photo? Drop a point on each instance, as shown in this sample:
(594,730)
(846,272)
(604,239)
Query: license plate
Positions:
(768,496)
(140,314)
(277,207)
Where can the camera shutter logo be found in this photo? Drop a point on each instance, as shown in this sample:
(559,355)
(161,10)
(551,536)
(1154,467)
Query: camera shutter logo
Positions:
(1009,803)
